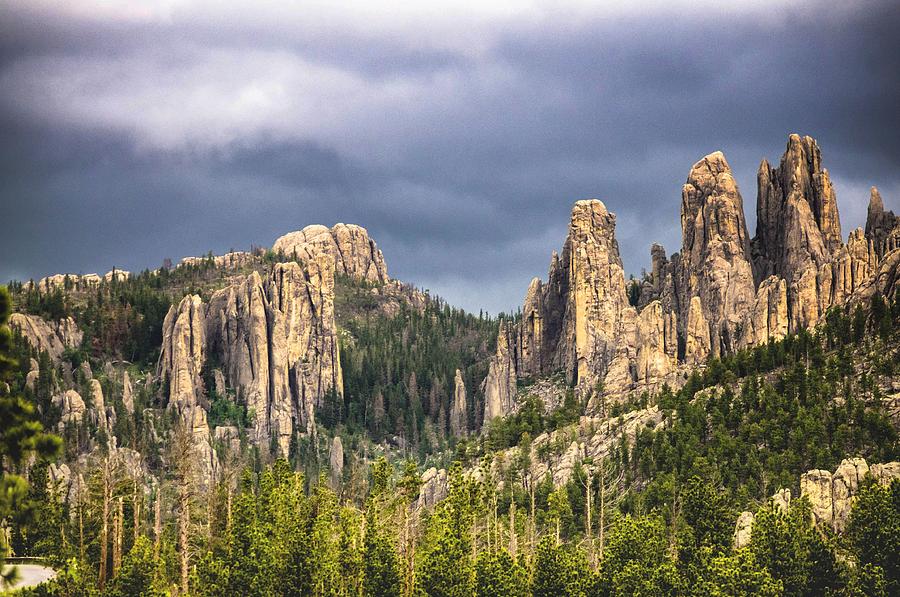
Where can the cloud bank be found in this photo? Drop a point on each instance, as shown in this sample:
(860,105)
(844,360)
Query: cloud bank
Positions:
(459,135)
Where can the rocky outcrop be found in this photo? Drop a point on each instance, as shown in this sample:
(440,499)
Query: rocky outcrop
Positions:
(743,529)
(53,337)
(353,252)
(458,410)
(336,460)
(797,216)
(98,414)
(715,259)
(127,393)
(232,260)
(434,488)
(880,224)
(276,341)
(72,408)
(831,494)
(596,291)
(499,387)
(722,292)
(184,351)
(78,282)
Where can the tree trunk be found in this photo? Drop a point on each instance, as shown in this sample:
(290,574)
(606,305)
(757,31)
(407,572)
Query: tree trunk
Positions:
(157,524)
(136,508)
(183,523)
(589,531)
(228,511)
(104,526)
(118,527)
(513,543)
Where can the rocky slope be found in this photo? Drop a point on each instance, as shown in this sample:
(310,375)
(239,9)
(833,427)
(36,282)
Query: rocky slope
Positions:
(723,290)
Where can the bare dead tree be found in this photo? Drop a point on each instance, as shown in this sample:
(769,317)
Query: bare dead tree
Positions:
(183,464)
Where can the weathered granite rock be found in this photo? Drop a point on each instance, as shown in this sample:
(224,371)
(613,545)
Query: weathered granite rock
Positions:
(831,494)
(229,437)
(116,275)
(845,484)
(499,387)
(816,485)
(127,393)
(276,340)
(769,315)
(880,224)
(458,412)
(885,473)
(434,488)
(232,260)
(183,351)
(336,460)
(219,386)
(72,408)
(782,500)
(657,344)
(354,253)
(697,340)
(98,406)
(797,216)
(531,343)
(596,296)
(53,337)
(743,530)
(68,282)
(34,371)
(715,254)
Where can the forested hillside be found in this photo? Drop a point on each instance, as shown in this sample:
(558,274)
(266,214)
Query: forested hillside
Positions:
(655,517)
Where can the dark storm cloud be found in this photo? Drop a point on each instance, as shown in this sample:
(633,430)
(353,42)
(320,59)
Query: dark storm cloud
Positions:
(459,142)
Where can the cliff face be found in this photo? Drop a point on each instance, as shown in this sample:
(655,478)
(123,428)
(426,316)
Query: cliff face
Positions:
(274,338)
(722,292)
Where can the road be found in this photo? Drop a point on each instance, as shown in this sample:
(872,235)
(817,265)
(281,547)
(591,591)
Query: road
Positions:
(31,575)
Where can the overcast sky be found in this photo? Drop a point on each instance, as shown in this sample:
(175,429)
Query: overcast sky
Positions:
(459,133)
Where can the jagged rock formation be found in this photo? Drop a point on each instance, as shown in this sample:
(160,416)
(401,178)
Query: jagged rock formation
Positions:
(276,341)
(78,281)
(715,259)
(98,412)
(881,226)
(72,408)
(232,260)
(499,387)
(434,488)
(354,253)
(336,460)
(797,217)
(830,495)
(458,416)
(722,292)
(127,393)
(54,337)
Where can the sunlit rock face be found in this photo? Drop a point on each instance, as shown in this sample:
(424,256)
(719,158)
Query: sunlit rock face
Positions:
(354,253)
(272,339)
(723,291)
